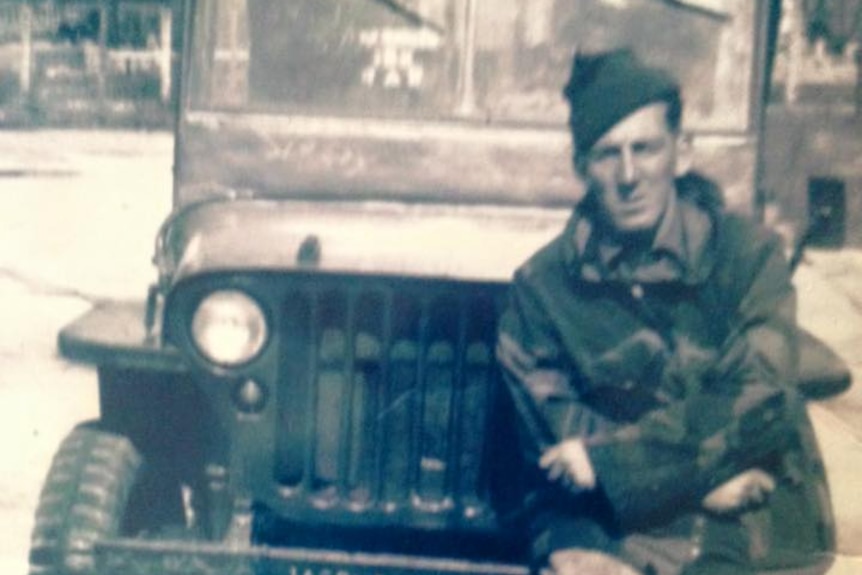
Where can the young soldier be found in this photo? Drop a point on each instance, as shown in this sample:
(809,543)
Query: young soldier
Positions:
(650,352)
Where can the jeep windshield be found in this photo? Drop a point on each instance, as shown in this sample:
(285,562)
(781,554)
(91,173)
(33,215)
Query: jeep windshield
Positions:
(447,100)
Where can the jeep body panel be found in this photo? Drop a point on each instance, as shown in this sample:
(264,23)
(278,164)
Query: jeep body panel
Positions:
(115,334)
(460,242)
(325,159)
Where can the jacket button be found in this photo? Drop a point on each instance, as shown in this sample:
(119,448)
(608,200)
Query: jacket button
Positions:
(637,291)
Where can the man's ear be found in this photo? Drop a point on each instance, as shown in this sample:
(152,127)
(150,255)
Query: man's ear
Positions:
(684,154)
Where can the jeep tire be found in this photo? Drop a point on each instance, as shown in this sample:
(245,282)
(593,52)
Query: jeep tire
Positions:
(83,499)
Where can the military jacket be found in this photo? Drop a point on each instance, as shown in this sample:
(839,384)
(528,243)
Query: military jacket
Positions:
(677,372)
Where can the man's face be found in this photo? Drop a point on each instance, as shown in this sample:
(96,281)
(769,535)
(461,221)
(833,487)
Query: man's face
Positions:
(632,168)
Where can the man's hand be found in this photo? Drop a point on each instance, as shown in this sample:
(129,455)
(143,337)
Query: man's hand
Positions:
(569,462)
(750,487)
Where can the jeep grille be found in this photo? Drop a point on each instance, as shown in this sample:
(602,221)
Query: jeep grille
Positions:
(384,394)
(380,396)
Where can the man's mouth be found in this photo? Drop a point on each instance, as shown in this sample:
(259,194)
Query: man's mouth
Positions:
(634,203)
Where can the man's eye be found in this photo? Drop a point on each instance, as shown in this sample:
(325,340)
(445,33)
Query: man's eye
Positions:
(648,147)
(605,154)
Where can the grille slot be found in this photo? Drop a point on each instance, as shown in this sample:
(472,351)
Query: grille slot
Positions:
(383,395)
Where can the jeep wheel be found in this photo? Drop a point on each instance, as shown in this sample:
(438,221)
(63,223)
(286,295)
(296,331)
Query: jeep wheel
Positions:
(83,499)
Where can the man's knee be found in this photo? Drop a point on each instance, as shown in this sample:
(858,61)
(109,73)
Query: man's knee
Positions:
(583,561)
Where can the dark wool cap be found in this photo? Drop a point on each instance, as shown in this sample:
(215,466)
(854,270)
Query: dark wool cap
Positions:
(604,88)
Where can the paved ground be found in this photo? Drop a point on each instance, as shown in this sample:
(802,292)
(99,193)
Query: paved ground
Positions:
(79,214)
(80,211)
(830,305)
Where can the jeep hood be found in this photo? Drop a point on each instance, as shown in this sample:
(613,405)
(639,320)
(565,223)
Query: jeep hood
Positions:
(459,242)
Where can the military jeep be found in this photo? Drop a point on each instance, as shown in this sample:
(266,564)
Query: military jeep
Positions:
(309,386)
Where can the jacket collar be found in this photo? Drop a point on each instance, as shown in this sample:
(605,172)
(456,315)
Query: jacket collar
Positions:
(681,249)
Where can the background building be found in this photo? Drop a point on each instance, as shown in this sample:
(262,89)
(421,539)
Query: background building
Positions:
(114,62)
(87,62)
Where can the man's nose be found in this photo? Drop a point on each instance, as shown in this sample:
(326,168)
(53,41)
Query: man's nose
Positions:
(628,172)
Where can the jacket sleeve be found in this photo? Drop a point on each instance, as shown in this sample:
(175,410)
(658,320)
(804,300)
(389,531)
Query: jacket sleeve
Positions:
(738,413)
(538,375)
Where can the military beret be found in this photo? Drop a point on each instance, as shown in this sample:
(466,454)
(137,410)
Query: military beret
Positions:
(606,87)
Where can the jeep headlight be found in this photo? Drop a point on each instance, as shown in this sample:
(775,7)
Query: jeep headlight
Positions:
(229,327)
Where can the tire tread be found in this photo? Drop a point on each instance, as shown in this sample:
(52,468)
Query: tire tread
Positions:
(82,500)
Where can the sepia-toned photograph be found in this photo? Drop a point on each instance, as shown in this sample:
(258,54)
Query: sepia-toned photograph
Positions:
(431,287)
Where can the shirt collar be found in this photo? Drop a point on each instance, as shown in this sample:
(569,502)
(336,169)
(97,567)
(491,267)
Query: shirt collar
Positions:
(679,250)
(671,237)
